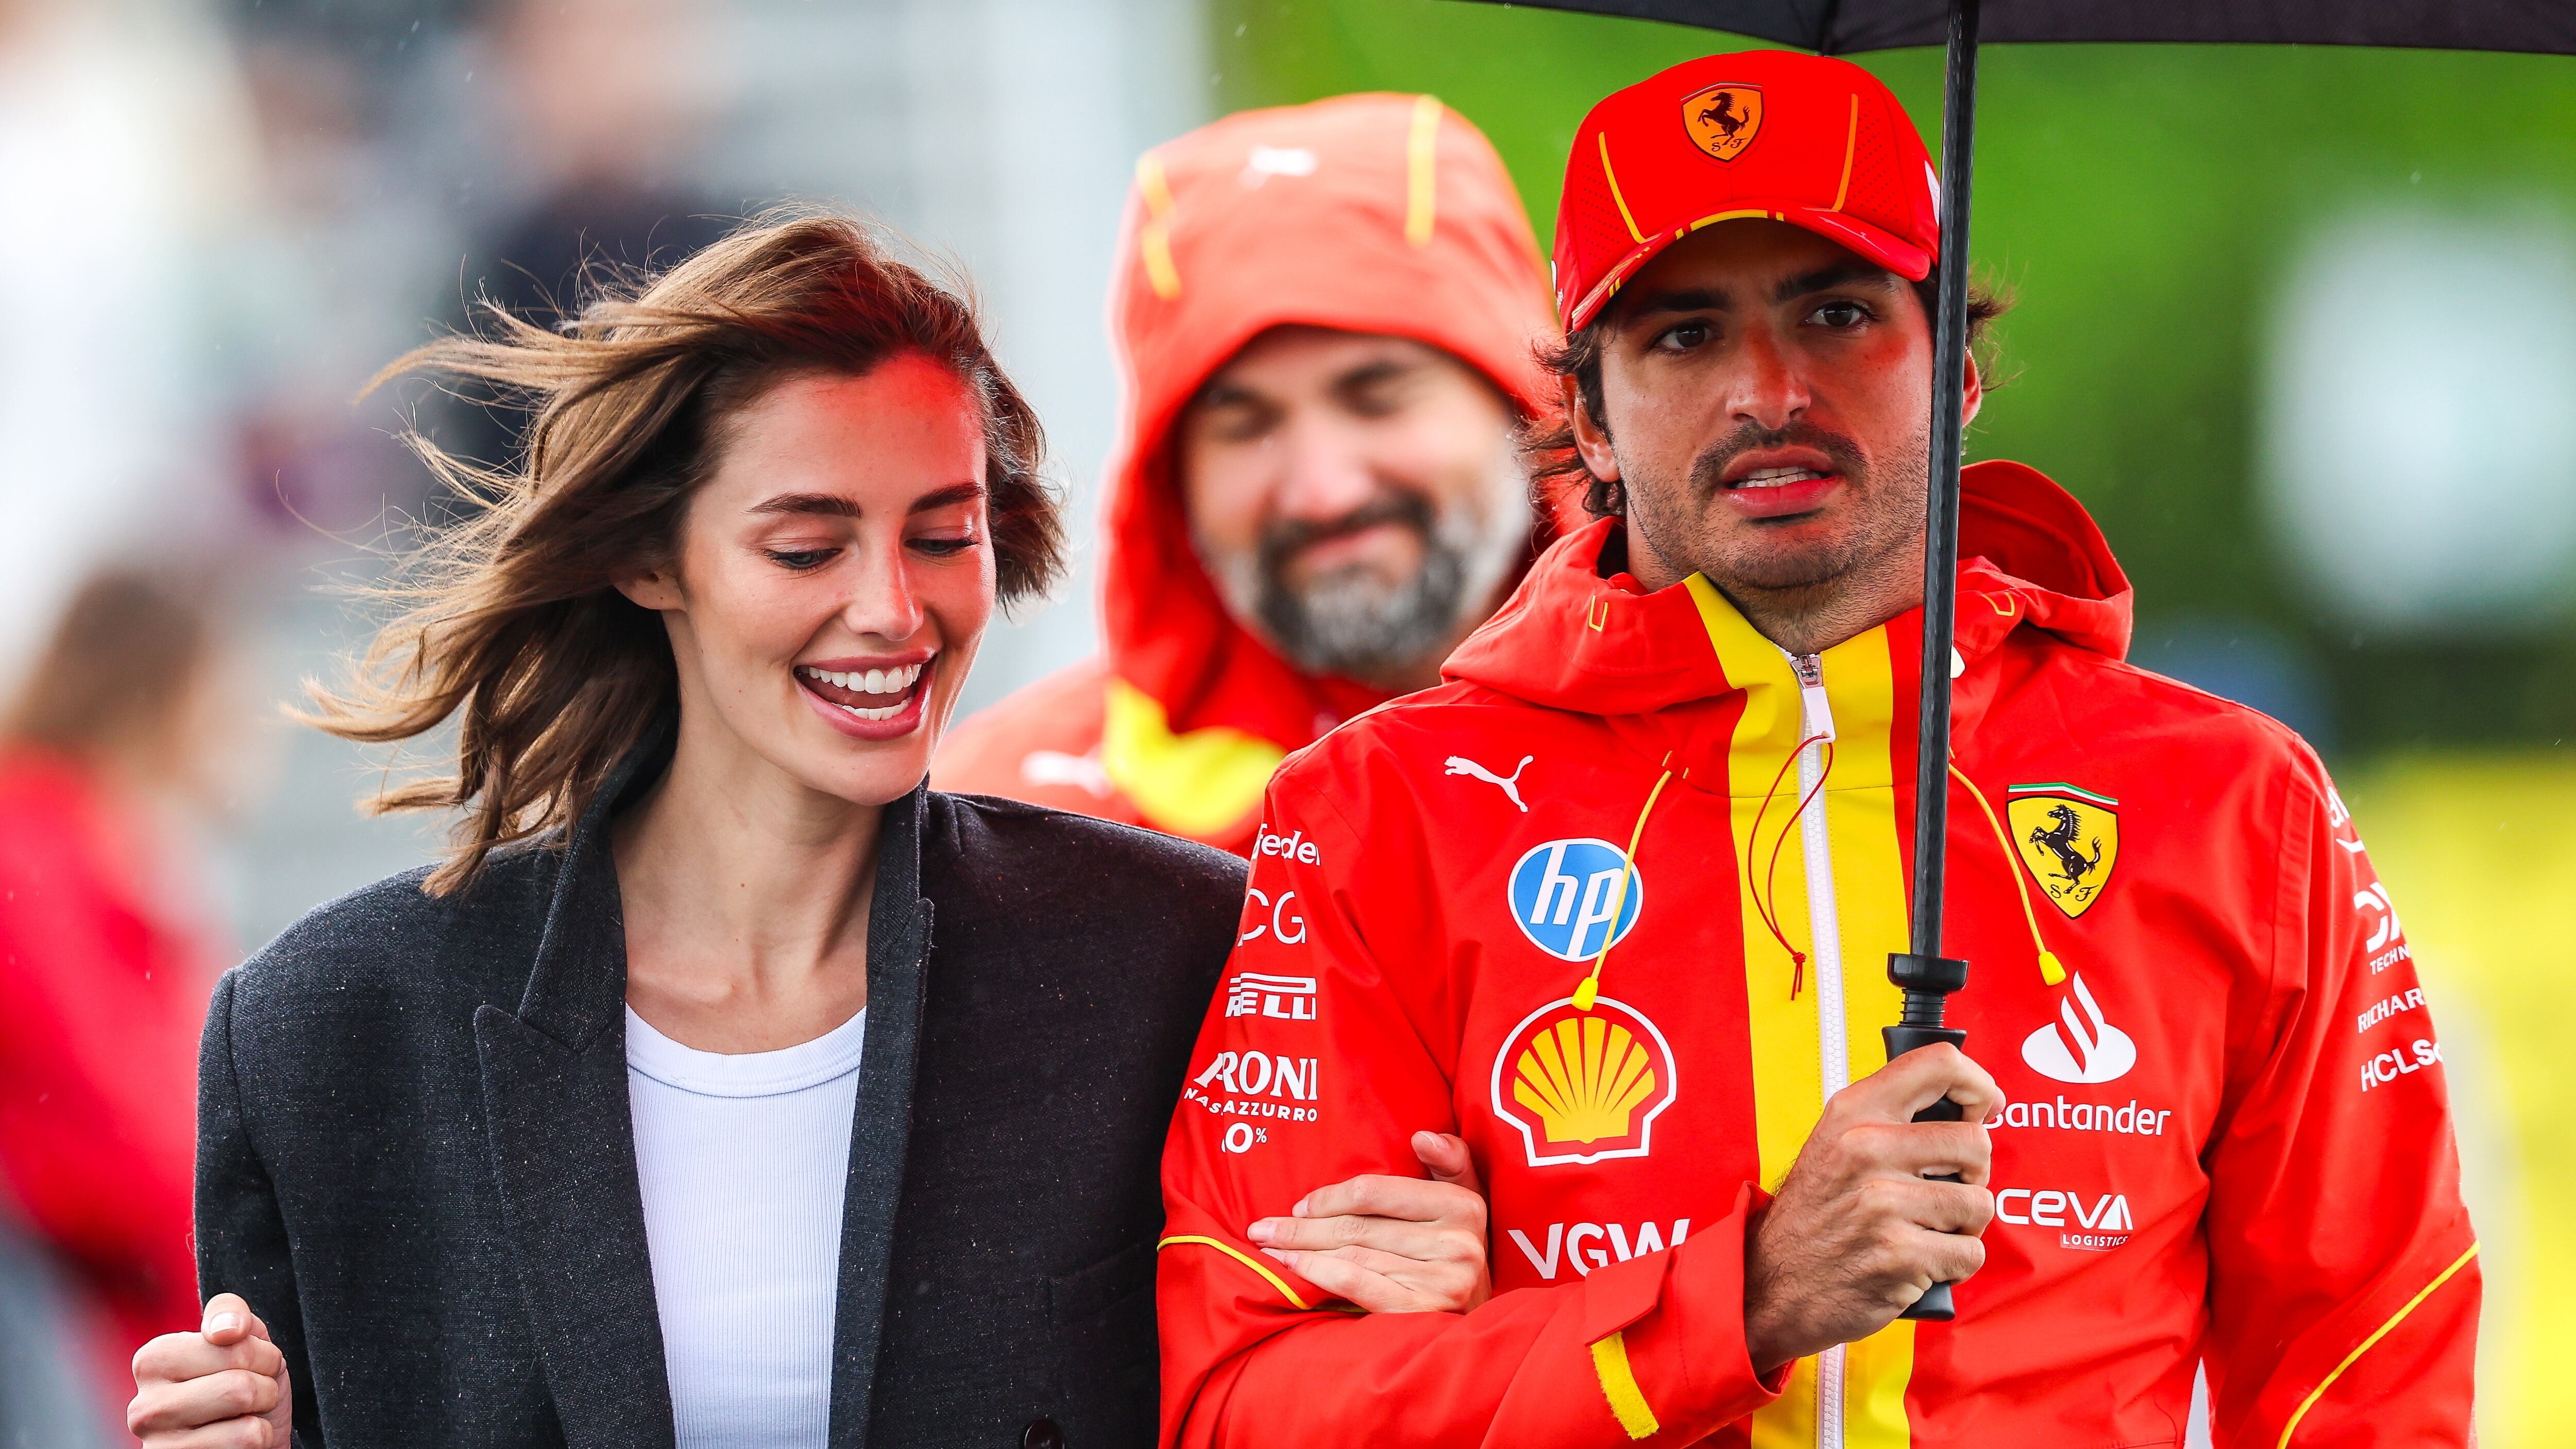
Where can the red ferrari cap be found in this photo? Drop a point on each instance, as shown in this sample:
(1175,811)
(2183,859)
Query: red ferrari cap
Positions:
(1805,139)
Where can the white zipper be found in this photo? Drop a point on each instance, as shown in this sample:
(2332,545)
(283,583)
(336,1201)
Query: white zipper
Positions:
(1825,952)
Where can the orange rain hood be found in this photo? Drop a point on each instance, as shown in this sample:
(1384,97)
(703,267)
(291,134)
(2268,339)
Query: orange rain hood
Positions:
(1368,213)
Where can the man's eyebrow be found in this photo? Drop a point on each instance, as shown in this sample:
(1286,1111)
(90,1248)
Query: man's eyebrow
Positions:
(1374,371)
(1680,299)
(1223,394)
(1855,272)
(1841,274)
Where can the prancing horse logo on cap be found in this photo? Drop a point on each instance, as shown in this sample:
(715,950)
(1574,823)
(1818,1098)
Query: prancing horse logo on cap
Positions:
(1723,120)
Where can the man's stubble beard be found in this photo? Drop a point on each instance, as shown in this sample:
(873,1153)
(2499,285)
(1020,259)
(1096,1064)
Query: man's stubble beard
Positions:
(1355,623)
(1807,599)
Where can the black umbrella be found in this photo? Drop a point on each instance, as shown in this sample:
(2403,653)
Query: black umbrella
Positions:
(1842,27)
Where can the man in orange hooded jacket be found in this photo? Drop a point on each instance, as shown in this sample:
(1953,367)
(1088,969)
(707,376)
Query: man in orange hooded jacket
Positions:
(1613,904)
(1328,317)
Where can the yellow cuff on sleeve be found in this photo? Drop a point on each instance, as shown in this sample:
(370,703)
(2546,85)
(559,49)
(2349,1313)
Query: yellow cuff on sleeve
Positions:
(1619,1386)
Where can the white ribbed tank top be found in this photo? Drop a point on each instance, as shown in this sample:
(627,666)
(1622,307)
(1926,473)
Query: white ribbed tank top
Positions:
(744,1161)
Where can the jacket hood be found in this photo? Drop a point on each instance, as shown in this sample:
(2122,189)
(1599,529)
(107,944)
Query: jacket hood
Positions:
(1571,639)
(1369,213)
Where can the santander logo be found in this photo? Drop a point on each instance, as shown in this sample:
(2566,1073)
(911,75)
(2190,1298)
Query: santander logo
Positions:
(2080,1047)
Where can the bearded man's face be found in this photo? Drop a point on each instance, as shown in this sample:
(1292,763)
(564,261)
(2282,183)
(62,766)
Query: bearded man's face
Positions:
(1357,498)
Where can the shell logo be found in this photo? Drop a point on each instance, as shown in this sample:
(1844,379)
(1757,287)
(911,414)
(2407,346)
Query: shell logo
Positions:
(1584,1086)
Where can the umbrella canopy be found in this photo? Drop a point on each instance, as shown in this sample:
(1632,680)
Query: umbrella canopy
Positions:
(1845,26)
(1842,27)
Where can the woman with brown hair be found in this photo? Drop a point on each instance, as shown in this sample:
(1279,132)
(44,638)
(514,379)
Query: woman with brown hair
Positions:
(726,1086)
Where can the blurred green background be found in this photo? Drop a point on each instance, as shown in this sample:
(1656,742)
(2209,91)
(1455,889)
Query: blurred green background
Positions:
(2152,208)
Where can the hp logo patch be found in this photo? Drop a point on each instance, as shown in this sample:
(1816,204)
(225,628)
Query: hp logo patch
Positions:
(1564,892)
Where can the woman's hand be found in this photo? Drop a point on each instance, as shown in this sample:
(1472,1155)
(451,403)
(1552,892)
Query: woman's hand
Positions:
(222,1388)
(1393,1244)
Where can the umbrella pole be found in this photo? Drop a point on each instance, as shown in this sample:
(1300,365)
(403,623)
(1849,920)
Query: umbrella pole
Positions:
(1923,973)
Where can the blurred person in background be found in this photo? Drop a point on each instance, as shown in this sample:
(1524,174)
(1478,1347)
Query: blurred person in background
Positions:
(605,100)
(115,750)
(1328,317)
(124,156)
(568,1139)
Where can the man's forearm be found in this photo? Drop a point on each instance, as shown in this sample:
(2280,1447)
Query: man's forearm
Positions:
(1656,1340)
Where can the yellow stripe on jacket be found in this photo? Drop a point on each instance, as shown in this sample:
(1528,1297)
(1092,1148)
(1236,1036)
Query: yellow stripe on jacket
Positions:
(1858,802)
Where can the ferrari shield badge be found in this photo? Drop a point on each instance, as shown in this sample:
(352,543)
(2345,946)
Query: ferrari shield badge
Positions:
(2069,838)
(1723,120)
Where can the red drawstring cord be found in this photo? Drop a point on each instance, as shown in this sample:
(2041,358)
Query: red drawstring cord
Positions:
(1771,876)
(1769,910)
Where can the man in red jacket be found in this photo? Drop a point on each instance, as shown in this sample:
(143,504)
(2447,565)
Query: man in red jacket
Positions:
(1613,903)
(1329,316)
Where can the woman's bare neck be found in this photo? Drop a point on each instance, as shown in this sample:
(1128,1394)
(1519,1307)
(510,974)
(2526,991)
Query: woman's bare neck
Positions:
(745,896)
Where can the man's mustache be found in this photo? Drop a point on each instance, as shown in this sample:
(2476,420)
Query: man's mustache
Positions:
(1289,536)
(1709,469)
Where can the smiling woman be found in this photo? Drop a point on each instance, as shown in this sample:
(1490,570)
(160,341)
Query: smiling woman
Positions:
(517,625)
(567,1140)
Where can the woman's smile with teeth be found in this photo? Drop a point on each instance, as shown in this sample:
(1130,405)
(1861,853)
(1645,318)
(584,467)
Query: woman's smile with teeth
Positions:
(894,683)
(866,681)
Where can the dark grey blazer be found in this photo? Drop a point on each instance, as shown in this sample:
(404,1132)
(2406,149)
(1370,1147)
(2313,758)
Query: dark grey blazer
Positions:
(415,1157)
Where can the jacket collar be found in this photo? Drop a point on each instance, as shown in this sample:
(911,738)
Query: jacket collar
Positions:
(899,922)
(563,1136)
(577,984)
(1571,639)
(563,1146)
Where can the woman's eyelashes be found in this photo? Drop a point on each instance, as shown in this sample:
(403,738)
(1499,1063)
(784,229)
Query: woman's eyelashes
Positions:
(805,556)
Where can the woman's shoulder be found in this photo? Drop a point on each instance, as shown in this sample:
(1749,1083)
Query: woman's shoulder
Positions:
(1038,850)
(397,934)
(1119,933)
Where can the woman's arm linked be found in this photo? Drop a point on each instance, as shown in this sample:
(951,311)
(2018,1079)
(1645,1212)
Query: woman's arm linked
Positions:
(228,1384)
(225,1386)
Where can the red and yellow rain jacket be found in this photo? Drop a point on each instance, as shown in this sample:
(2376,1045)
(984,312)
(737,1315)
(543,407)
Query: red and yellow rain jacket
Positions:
(1372,213)
(2227,1134)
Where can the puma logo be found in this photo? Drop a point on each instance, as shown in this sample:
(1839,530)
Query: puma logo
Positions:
(1461,765)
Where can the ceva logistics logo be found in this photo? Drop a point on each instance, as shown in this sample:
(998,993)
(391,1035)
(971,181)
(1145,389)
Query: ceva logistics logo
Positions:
(1564,893)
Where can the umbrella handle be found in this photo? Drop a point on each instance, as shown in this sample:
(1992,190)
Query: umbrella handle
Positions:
(1927,981)
(1935,1305)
